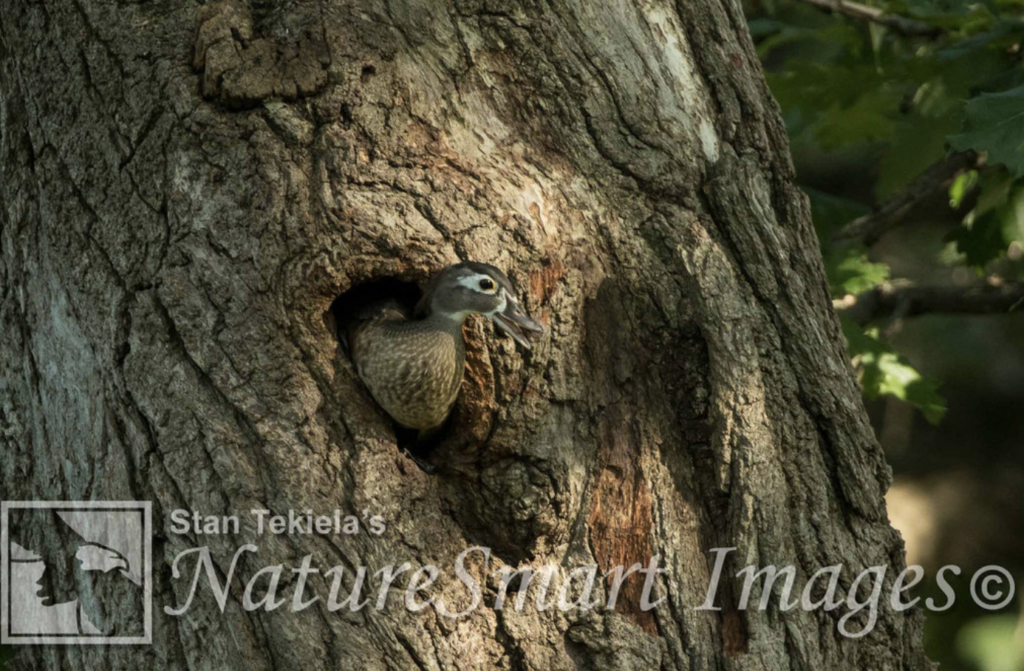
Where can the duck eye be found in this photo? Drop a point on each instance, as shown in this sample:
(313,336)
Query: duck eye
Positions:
(486,284)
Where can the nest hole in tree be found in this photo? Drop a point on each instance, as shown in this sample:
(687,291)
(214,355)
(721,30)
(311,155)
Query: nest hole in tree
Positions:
(454,451)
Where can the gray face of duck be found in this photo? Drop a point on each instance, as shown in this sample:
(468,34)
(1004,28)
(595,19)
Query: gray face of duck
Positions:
(480,288)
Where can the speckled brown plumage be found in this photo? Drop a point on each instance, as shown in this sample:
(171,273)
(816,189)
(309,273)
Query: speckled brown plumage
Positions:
(413,369)
(412,363)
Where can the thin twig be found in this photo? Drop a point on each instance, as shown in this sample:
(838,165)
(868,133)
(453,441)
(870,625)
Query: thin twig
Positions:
(907,299)
(872,226)
(900,24)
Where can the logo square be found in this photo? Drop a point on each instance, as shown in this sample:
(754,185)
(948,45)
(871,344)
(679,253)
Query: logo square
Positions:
(76,573)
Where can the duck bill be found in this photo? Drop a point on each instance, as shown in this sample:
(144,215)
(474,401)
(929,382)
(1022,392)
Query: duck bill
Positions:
(516,324)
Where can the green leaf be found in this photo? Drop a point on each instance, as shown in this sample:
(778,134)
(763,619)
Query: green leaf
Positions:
(848,268)
(995,191)
(994,123)
(850,271)
(899,379)
(962,186)
(980,239)
(1012,217)
(883,372)
(996,220)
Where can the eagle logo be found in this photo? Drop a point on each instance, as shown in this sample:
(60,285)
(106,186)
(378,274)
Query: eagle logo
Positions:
(76,572)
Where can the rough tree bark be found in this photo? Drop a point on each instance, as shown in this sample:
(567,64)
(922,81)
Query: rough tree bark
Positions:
(186,188)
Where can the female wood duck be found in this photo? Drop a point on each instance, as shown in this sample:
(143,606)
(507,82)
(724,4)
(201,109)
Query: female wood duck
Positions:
(413,365)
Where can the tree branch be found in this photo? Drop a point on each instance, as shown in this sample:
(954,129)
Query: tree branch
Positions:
(872,226)
(900,24)
(905,299)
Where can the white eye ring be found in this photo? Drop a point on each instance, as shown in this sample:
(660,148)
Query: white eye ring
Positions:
(479,282)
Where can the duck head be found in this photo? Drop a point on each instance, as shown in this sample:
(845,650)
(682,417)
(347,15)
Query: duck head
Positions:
(478,288)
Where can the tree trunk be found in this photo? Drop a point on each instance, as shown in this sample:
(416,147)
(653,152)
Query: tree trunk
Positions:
(187,188)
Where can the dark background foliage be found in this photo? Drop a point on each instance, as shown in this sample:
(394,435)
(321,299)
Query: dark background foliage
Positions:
(907,128)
